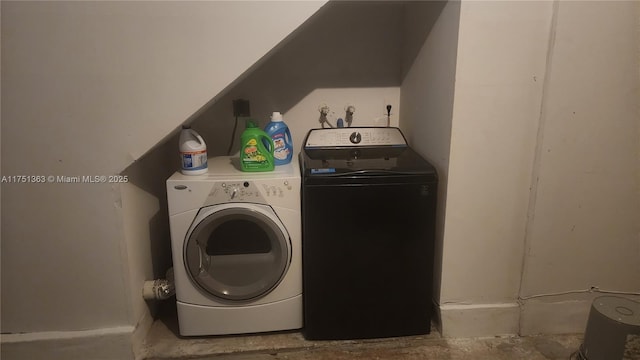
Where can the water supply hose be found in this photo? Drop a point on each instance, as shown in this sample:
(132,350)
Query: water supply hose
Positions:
(159,289)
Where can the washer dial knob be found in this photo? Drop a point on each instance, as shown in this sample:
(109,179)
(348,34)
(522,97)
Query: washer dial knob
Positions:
(233,192)
(355,137)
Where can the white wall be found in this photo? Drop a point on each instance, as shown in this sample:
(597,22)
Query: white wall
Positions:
(139,209)
(314,67)
(502,48)
(583,228)
(88,87)
(427,94)
(543,166)
(370,106)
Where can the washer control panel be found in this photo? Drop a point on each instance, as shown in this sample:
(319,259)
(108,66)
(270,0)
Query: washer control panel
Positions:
(249,191)
(236,191)
(354,137)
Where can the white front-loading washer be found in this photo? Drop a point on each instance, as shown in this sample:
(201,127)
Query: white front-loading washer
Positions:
(236,245)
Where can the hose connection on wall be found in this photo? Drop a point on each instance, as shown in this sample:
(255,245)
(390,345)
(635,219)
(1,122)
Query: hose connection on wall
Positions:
(324,111)
(159,289)
(348,116)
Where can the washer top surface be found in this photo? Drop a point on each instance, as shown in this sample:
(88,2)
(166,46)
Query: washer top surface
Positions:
(361,151)
(228,168)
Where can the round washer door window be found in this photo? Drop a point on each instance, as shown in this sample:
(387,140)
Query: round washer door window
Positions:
(238,253)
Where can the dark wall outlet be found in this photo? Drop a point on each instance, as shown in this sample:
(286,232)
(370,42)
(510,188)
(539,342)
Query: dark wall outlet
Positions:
(241,108)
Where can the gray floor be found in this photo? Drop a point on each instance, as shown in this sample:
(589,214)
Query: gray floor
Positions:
(163,342)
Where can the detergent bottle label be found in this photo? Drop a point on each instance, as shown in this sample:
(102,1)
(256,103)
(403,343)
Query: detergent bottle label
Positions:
(252,154)
(194,160)
(280,149)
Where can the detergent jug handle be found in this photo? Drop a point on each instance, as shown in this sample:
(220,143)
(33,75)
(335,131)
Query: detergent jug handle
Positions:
(272,147)
(288,136)
(268,142)
(197,136)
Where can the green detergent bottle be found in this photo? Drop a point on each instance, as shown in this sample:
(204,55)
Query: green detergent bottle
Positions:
(257,149)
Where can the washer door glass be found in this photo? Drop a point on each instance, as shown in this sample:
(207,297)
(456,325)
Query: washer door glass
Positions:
(237,253)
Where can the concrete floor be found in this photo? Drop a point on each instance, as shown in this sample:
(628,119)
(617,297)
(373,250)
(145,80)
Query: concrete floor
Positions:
(163,343)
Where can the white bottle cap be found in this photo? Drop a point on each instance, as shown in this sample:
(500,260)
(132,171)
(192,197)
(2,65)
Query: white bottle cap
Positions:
(276,116)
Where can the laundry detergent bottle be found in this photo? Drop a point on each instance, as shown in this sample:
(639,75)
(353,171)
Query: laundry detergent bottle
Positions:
(256,152)
(193,152)
(281,136)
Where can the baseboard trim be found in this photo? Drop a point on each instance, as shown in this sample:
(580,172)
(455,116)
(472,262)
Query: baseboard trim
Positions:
(559,317)
(478,320)
(99,344)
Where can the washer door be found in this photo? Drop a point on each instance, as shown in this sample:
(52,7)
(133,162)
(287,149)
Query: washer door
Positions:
(237,251)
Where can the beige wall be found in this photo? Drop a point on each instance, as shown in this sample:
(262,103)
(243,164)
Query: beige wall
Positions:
(488,94)
(502,49)
(87,89)
(543,168)
(427,94)
(584,228)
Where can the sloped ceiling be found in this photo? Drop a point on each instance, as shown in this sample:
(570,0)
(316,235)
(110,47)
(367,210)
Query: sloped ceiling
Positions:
(117,77)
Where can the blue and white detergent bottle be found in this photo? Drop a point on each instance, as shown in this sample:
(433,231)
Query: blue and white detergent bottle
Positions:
(283,144)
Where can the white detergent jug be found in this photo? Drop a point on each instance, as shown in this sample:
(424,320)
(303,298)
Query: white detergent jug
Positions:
(193,152)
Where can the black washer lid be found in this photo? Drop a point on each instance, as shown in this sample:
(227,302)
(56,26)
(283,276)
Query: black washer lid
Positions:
(361,151)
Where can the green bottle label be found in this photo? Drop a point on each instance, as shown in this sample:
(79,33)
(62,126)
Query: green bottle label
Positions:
(252,154)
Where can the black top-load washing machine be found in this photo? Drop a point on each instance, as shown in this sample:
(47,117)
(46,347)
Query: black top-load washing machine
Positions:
(368,221)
